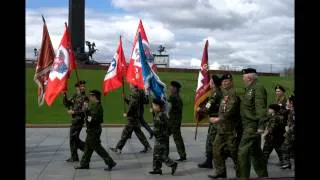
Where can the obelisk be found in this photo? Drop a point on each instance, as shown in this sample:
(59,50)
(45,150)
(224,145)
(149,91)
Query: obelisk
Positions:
(76,24)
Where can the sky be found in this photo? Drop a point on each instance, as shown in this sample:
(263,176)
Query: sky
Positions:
(241,33)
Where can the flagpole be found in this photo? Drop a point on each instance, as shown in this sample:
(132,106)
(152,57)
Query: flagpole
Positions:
(123,91)
(76,70)
(196,133)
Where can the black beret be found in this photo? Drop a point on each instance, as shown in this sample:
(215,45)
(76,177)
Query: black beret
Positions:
(280,87)
(226,76)
(80,82)
(275,107)
(175,84)
(216,80)
(249,70)
(95,93)
(291,98)
(158,102)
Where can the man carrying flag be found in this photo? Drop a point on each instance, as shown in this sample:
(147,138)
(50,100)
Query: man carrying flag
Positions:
(45,60)
(207,102)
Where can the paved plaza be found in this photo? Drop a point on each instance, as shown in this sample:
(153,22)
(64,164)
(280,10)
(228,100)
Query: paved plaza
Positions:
(48,148)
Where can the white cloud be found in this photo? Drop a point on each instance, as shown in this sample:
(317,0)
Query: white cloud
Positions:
(241,33)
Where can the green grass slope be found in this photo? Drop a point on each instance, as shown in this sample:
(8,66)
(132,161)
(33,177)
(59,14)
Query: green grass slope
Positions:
(113,104)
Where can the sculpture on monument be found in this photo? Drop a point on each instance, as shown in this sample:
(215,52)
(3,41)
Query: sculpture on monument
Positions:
(86,57)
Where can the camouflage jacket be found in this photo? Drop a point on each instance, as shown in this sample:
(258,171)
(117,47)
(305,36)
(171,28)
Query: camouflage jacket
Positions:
(283,110)
(275,126)
(94,115)
(175,112)
(211,106)
(160,125)
(134,105)
(291,123)
(253,107)
(229,113)
(76,104)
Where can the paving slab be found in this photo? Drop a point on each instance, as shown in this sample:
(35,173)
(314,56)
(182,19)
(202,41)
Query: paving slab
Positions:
(48,148)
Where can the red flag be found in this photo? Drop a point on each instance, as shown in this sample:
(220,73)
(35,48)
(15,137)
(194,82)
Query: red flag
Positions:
(116,71)
(134,73)
(63,64)
(45,60)
(203,90)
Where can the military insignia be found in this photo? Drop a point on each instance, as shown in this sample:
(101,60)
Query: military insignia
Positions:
(208,105)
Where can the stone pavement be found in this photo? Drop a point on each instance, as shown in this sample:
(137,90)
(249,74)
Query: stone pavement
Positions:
(48,148)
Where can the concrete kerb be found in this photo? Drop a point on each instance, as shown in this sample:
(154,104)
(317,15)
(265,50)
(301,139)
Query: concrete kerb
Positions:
(103,125)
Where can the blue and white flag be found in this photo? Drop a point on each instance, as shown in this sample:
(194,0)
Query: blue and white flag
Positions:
(151,81)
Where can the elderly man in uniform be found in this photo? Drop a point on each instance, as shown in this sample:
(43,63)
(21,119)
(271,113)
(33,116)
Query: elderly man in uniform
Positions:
(93,143)
(175,118)
(211,107)
(133,116)
(253,110)
(75,109)
(229,128)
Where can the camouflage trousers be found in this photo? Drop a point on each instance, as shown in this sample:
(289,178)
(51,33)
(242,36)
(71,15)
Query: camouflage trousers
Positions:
(287,148)
(225,145)
(126,133)
(160,153)
(212,131)
(175,131)
(146,125)
(270,143)
(250,151)
(93,143)
(75,141)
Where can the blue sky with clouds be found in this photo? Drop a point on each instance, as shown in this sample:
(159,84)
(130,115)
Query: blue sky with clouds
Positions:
(241,33)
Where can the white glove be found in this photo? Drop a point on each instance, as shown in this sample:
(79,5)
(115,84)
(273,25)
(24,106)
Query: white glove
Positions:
(89,118)
(208,105)
(287,128)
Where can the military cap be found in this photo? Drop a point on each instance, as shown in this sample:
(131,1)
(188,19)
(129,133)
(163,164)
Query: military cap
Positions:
(275,107)
(226,76)
(95,93)
(280,87)
(175,84)
(79,83)
(216,80)
(249,70)
(158,102)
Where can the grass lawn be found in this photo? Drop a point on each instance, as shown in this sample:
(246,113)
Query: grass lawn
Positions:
(113,104)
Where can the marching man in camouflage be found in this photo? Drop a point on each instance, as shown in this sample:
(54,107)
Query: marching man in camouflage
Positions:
(93,143)
(288,144)
(229,128)
(75,108)
(133,115)
(161,144)
(212,109)
(274,133)
(175,118)
(253,110)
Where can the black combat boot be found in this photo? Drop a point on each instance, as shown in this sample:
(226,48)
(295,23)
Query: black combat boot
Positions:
(174,168)
(82,167)
(116,150)
(146,149)
(156,171)
(183,158)
(216,176)
(72,160)
(110,166)
(207,163)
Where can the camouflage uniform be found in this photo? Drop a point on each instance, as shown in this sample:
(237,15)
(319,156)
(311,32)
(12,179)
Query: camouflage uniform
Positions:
(144,100)
(229,132)
(253,110)
(212,109)
(133,115)
(161,144)
(274,137)
(76,104)
(93,142)
(174,123)
(289,139)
